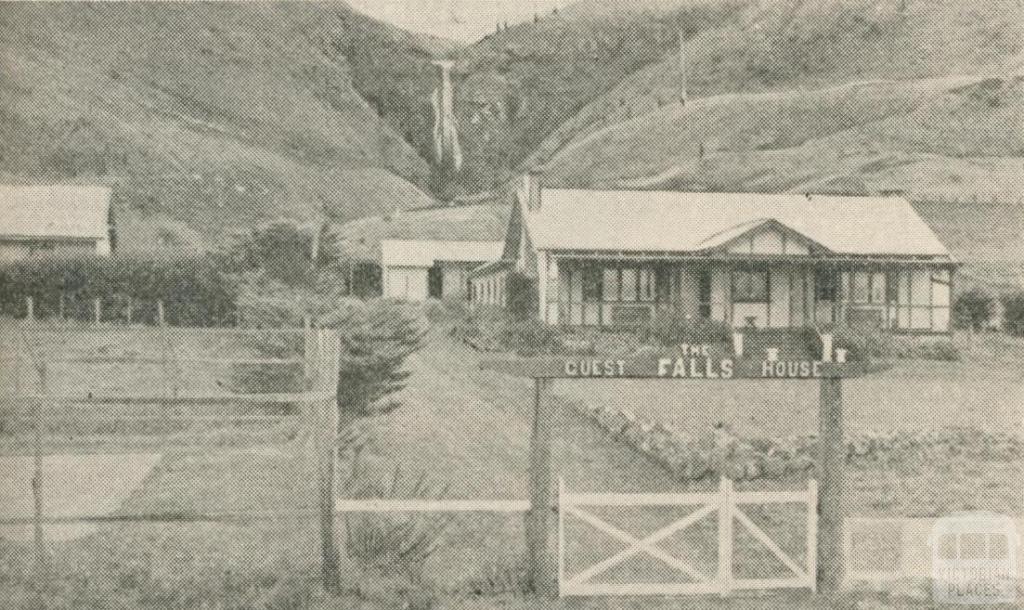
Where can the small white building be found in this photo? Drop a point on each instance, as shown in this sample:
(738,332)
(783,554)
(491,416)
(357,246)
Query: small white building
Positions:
(420,270)
(53,220)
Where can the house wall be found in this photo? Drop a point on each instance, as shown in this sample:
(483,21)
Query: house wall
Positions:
(455,279)
(917,301)
(406,283)
(489,290)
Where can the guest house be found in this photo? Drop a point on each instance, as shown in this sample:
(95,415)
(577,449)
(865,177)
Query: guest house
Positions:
(617,258)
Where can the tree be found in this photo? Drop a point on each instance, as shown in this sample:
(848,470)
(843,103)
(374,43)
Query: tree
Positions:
(1013,314)
(974,309)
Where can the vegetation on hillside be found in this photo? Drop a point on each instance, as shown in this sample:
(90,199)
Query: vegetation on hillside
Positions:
(209,117)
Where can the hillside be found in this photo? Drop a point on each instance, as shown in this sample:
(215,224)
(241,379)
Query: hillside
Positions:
(211,116)
(479,221)
(530,90)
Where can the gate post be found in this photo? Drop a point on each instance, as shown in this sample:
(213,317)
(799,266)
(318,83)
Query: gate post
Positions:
(541,537)
(831,461)
(725,536)
(323,364)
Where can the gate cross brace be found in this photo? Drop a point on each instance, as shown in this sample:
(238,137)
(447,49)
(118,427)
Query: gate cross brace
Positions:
(645,545)
(768,542)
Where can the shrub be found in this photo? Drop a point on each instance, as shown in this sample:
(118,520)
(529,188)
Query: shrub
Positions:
(674,328)
(393,544)
(522,296)
(863,345)
(529,337)
(1013,314)
(973,309)
(376,338)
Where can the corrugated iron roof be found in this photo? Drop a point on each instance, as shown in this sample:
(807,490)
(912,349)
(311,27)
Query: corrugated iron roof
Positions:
(653,221)
(54,211)
(398,253)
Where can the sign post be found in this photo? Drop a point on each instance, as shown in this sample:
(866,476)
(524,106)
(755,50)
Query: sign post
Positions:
(831,459)
(540,535)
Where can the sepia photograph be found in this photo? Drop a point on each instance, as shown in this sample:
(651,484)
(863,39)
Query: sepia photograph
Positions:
(511,304)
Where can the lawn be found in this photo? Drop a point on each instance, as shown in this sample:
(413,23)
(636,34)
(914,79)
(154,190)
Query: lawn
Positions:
(467,430)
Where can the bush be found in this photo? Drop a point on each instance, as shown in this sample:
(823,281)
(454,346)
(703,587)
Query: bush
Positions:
(376,337)
(973,309)
(673,328)
(1013,314)
(192,288)
(522,296)
(529,337)
(393,544)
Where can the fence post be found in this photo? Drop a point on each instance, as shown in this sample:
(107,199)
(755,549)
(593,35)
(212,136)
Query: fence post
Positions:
(30,310)
(324,380)
(831,458)
(725,536)
(96,311)
(129,311)
(561,535)
(160,313)
(538,520)
(61,308)
(812,534)
(39,545)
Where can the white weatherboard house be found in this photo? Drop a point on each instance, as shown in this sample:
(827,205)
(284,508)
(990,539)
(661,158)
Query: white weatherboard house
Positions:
(418,270)
(53,220)
(613,258)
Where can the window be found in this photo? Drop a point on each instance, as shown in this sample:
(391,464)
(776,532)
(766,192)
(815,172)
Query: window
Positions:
(629,285)
(647,285)
(592,284)
(826,285)
(878,288)
(611,284)
(750,286)
(861,287)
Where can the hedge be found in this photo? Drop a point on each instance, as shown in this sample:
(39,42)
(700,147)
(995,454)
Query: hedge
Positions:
(193,289)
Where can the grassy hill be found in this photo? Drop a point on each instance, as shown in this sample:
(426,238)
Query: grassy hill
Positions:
(530,90)
(800,44)
(478,221)
(206,117)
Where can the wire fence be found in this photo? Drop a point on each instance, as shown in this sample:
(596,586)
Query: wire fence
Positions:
(73,396)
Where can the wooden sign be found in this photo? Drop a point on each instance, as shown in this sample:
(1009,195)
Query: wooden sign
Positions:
(672,366)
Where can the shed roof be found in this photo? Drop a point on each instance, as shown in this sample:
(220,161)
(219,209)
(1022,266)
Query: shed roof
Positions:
(651,221)
(54,211)
(398,253)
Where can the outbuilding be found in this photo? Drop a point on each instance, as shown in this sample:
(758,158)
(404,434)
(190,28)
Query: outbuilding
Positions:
(62,220)
(418,270)
(617,258)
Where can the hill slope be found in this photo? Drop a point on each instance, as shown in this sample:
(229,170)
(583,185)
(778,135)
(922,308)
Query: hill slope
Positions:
(529,90)
(207,117)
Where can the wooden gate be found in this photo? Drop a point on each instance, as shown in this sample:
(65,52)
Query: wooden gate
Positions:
(699,579)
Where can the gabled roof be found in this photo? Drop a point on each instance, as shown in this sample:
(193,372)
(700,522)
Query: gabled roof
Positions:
(54,211)
(426,253)
(649,221)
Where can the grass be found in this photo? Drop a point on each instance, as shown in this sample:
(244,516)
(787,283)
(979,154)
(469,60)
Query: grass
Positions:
(468,431)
